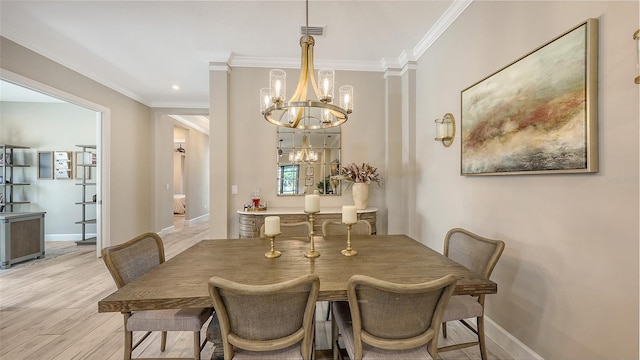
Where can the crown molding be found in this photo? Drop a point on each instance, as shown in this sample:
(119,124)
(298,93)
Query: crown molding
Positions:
(291,63)
(443,23)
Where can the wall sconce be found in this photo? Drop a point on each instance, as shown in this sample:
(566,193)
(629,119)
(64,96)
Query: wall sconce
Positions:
(636,37)
(446,129)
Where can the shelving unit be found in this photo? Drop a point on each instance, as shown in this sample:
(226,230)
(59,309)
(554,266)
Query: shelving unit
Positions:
(8,165)
(85,163)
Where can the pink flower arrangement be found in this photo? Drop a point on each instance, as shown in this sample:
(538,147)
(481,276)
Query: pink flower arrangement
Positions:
(359,174)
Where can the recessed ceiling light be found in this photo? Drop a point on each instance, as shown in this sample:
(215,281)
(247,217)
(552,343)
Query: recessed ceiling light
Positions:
(175,87)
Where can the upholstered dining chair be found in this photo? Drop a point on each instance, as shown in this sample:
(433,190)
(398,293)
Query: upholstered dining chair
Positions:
(298,230)
(361,227)
(274,321)
(480,255)
(386,320)
(132,259)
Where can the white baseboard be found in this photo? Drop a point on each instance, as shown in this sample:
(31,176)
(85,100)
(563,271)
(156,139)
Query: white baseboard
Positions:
(65,237)
(167,230)
(509,343)
(172,228)
(199,219)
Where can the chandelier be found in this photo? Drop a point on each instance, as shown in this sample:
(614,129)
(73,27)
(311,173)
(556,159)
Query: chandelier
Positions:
(301,112)
(304,155)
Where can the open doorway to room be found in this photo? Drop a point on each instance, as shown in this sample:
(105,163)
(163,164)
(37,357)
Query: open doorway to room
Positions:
(179,174)
(55,130)
(190,176)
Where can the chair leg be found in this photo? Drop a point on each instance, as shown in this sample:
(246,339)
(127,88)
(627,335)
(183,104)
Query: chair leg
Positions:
(444,329)
(334,338)
(196,345)
(328,310)
(483,348)
(163,341)
(128,340)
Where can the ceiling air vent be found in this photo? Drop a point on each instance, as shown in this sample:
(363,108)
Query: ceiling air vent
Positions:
(313,30)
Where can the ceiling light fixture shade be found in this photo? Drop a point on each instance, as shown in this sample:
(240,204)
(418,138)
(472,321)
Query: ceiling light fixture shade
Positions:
(301,112)
(305,155)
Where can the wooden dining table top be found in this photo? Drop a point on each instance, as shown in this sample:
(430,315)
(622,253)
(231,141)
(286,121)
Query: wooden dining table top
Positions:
(181,282)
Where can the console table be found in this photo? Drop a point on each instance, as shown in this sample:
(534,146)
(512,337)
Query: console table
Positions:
(251,221)
(21,237)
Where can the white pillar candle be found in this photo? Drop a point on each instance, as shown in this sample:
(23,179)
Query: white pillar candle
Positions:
(349,215)
(272,225)
(312,203)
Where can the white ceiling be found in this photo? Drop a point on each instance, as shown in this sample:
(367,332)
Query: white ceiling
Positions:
(143,48)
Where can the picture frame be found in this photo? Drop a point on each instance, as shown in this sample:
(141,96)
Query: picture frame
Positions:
(308,181)
(62,165)
(309,171)
(537,115)
(45,165)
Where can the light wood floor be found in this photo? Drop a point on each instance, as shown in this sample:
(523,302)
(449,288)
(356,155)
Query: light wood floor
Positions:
(48,310)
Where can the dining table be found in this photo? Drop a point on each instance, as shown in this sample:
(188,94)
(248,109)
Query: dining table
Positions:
(181,282)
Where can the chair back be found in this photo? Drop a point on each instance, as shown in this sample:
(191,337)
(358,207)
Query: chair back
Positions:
(266,317)
(361,227)
(474,252)
(299,230)
(396,316)
(128,261)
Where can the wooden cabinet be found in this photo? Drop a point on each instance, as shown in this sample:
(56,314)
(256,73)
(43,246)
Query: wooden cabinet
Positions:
(86,164)
(251,221)
(12,180)
(21,237)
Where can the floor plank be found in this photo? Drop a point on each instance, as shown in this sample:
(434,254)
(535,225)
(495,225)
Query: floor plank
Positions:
(48,310)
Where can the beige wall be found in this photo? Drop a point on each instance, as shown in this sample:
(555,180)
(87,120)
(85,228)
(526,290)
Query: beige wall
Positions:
(568,278)
(253,141)
(131,141)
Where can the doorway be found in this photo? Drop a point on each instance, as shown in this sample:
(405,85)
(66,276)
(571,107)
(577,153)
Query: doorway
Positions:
(63,214)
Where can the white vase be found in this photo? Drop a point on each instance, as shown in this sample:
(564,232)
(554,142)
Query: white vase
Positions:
(360,195)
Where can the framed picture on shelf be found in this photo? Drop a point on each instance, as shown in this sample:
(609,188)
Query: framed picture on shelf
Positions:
(45,165)
(62,165)
(537,115)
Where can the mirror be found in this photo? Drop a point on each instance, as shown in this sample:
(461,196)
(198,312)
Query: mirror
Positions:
(306,161)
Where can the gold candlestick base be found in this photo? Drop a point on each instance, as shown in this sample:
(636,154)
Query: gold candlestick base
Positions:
(272,253)
(349,251)
(312,253)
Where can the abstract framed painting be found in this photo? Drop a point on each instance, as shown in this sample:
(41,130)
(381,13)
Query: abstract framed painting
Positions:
(537,115)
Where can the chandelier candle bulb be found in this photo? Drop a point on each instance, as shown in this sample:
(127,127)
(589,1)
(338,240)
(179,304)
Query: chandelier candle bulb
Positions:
(312,203)
(277,84)
(265,99)
(272,225)
(346,98)
(349,214)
